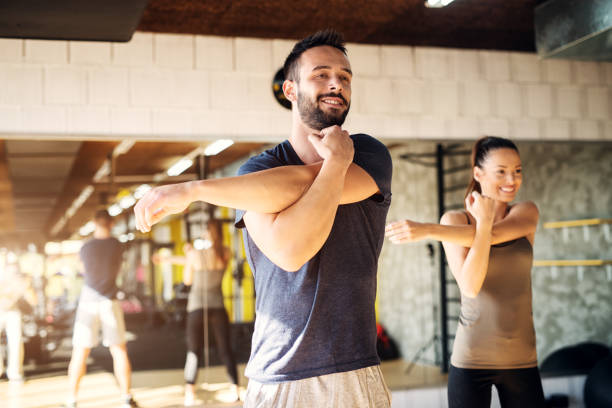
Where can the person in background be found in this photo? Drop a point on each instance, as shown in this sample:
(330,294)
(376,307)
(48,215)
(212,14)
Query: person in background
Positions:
(14,289)
(99,309)
(489,248)
(202,276)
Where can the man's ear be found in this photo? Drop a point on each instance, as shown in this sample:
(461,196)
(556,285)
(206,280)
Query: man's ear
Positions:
(290,90)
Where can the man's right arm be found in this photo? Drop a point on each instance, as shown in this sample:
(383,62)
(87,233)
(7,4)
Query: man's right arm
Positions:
(267,191)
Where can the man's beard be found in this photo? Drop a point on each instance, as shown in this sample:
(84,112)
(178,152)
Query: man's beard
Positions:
(315,118)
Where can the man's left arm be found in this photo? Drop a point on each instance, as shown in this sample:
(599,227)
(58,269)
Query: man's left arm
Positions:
(268,191)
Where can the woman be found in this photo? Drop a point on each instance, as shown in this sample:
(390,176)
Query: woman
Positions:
(489,251)
(203,274)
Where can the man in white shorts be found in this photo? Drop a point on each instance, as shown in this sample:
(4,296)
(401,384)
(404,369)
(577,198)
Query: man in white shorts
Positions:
(99,309)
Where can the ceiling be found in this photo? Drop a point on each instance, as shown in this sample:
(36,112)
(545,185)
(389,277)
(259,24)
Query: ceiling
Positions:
(482,24)
(40,180)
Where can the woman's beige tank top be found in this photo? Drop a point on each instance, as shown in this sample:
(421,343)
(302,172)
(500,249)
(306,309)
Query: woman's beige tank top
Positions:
(495,328)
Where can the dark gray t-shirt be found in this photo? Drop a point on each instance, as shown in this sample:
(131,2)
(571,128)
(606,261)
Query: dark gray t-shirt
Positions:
(320,319)
(102,260)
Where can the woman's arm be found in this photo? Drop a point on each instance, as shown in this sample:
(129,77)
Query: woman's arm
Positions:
(189,268)
(521,221)
(469,266)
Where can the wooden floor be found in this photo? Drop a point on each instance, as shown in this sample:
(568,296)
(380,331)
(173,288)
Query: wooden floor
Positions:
(164,388)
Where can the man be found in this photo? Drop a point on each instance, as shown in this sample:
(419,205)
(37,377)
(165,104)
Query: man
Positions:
(101,258)
(314,210)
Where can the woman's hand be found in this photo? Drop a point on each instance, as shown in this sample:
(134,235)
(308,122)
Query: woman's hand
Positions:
(481,207)
(400,232)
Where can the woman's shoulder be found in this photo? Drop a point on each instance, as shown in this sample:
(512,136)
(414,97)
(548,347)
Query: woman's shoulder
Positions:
(455,217)
(527,205)
(525,208)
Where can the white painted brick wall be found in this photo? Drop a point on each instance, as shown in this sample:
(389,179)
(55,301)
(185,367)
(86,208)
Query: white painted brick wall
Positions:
(557,71)
(253,55)
(10,118)
(444,98)
(462,128)
(508,100)
(557,129)
(214,53)
(46,51)
(65,85)
(476,100)
(466,65)
(587,130)
(228,91)
(410,96)
(364,59)
(213,122)
(395,61)
(151,87)
(525,129)
(89,52)
(587,72)
(21,85)
(377,96)
(432,63)
(44,119)
(430,127)
(570,101)
(539,101)
(607,130)
(280,50)
(172,122)
(496,65)
(259,93)
(156,82)
(495,127)
(89,120)
(11,50)
(108,86)
(525,67)
(190,89)
(137,52)
(400,127)
(598,103)
(608,73)
(173,50)
(130,121)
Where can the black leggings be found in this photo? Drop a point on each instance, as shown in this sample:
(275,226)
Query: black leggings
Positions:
(218,323)
(517,388)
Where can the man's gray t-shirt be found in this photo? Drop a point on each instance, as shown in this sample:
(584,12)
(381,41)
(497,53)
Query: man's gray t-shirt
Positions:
(320,319)
(102,261)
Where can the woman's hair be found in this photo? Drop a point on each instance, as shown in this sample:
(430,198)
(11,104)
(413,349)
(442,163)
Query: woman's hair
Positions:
(215,228)
(480,151)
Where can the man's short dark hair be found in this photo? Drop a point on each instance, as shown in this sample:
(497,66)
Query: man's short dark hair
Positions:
(328,37)
(103,217)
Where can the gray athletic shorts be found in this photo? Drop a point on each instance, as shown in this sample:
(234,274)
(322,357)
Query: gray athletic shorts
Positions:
(363,388)
(95,313)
